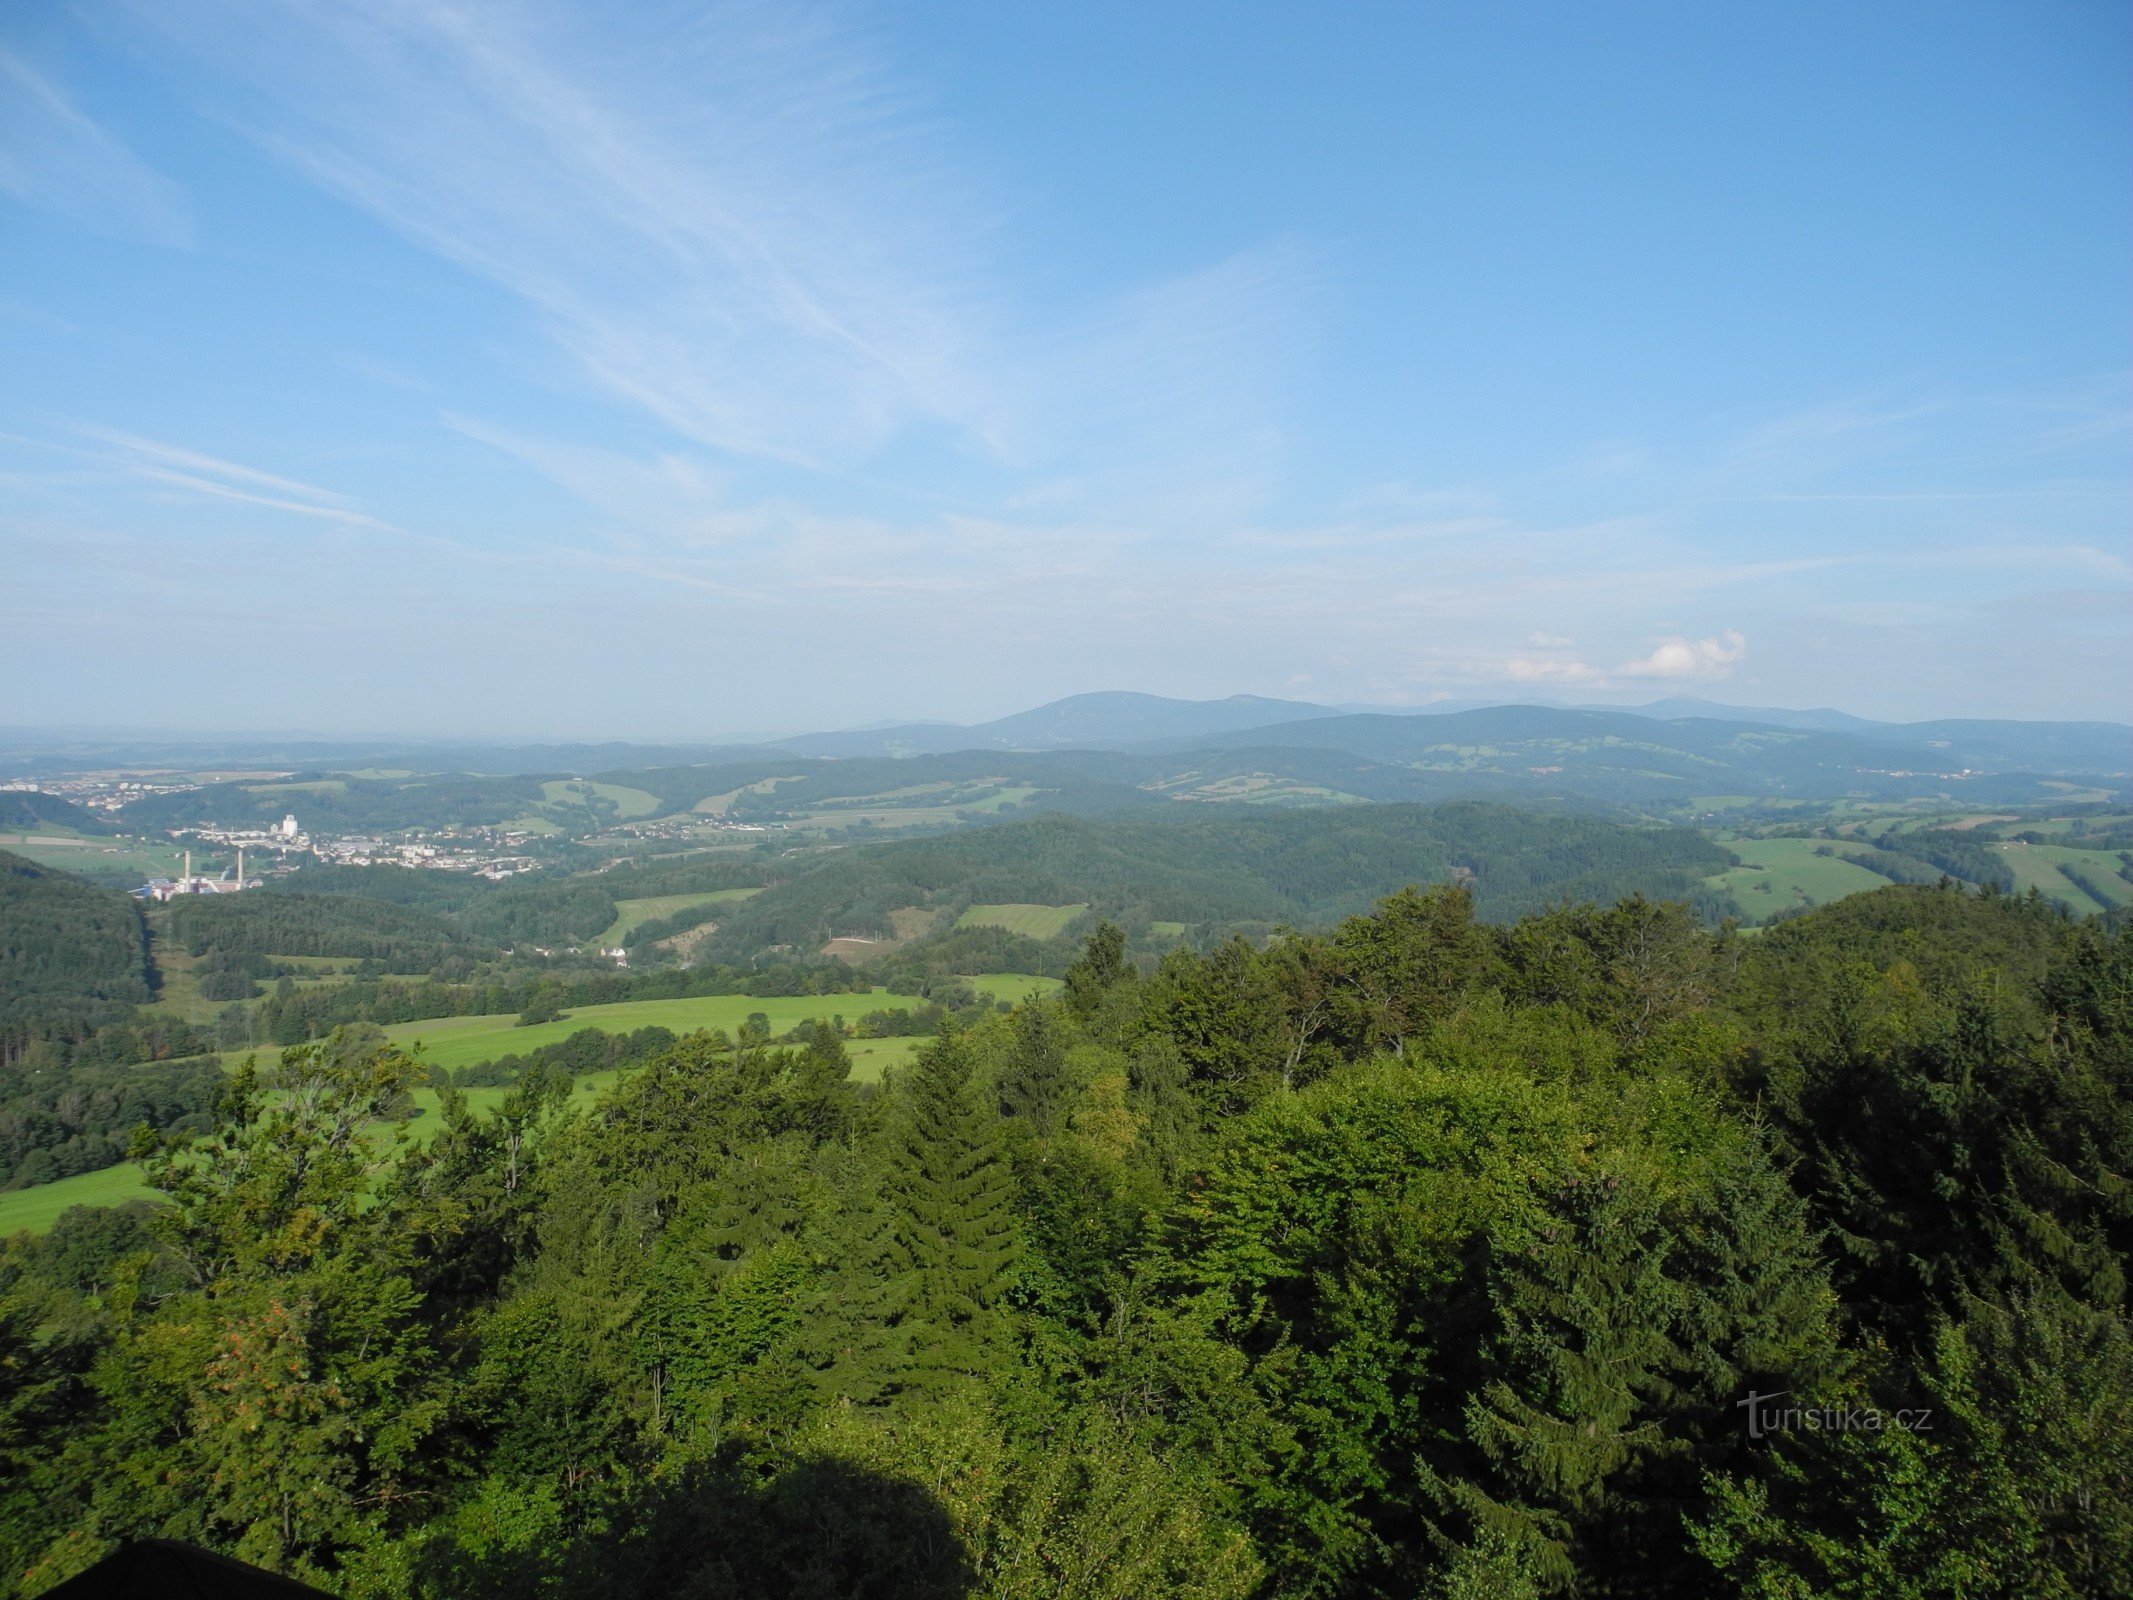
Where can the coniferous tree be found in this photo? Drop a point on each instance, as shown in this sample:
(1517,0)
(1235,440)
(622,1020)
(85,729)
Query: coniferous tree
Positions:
(952,1194)
(1101,967)
(1033,1082)
(1585,1368)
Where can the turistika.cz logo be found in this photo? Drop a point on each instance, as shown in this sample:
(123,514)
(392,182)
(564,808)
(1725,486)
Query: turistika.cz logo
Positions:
(1765,1419)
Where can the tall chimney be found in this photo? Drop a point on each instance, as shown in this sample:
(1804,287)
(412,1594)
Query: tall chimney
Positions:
(186,883)
(240,866)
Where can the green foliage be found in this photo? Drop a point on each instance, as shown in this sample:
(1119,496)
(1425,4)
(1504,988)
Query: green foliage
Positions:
(73,958)
(1429,1256)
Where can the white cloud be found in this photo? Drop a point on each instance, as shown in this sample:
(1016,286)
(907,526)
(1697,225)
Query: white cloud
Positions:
(1689,659)
(1677,659)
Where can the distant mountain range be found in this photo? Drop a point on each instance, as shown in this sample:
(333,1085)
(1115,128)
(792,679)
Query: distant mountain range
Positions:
(1702,732)
(1096,752)
(1104,721)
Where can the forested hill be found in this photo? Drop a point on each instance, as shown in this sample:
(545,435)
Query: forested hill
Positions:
(1222,865)
(72,956)
(25,811)
(1595,1255)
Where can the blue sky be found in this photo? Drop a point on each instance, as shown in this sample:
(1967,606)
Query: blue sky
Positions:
(671,370)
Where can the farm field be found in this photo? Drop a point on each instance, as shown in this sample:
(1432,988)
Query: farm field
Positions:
(1037,922)
(2039,867)
(532,824)
(632,914)
(716,805)
(102,857)
(1784,874)
(462,1041)
(1014,987)
(37,1208)
(628,803)
(887,819)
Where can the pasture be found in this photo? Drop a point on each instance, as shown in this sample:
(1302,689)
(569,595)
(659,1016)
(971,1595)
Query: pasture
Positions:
(632,914)
(1014,987)
(38,1207)
(573,792)
(2042,867)
(103,857)
(1784,874)
(1037,922)
(716,805)
(462,1041)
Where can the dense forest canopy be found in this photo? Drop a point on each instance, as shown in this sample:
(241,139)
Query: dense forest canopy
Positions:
(72,956)
(1230,866)
(28,811)
(1424,1256)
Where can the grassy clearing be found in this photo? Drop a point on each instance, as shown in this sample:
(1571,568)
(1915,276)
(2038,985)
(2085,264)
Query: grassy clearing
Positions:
(1016,795)
(177,991)
(2037,866)
(105,855)
(1038,922)
(462,1041)
(1167,930)
(582,791)
(1781,874)
(1013,987)
(632,914)
(314,786)
(716,805)
(36,1209)
(879,820)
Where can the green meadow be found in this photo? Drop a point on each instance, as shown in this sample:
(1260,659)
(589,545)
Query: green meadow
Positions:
(1014,987)
(632,914)
(628,803)
(1786,874)
(2040,867)
(104,857)
(1038,922)
(36,1209)
(462,1041)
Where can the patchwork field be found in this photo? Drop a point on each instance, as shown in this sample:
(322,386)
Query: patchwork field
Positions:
(1786,874)
(1038,922)
(632,914)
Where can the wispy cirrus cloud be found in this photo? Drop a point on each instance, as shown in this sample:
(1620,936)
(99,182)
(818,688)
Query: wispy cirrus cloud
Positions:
(66,469)
(733,219)
(740,223)
(57,158)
